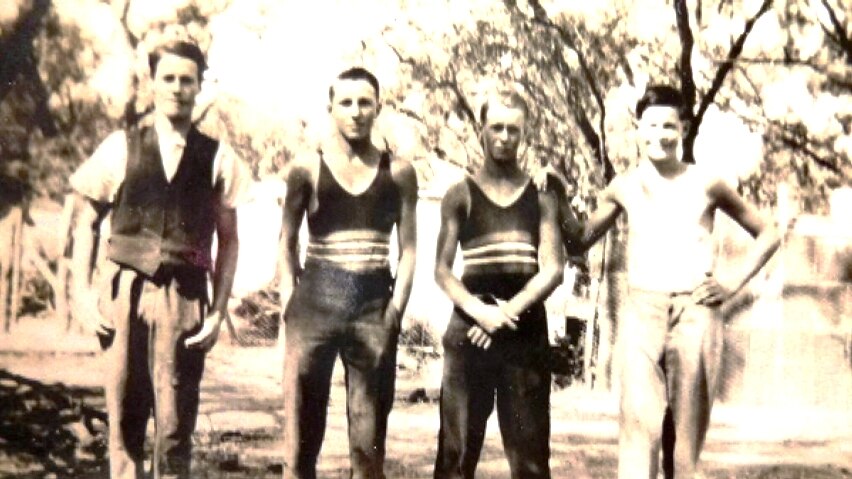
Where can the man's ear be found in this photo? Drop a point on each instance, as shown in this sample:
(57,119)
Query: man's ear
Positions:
(378,107)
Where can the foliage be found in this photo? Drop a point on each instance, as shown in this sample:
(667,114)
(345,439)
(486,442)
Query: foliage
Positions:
(770,80)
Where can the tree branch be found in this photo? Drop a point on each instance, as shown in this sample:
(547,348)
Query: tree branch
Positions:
(596,141)
(38,92)
(840,36)
(718,80)
(449,83)
(131,37)
(799,145)
(687,41)
(19,61)
(835,78)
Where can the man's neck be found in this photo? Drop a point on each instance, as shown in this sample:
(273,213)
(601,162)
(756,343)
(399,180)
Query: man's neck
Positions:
(668,168)
(164,124)
(351,149)
(501,170)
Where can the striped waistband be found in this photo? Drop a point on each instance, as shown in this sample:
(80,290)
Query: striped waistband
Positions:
(501,253)
(358,250)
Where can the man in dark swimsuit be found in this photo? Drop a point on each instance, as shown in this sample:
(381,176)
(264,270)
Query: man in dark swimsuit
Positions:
(496,341)
(345,302)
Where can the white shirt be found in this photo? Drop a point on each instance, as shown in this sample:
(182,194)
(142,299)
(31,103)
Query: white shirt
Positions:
(669,244)
(100,176)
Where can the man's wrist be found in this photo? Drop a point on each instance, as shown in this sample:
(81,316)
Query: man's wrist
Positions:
(472,307)
(511,309)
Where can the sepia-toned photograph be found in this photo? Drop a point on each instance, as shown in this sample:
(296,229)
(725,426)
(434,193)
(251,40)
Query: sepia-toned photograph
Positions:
(411,239)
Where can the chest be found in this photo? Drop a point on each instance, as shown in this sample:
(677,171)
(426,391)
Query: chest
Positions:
(354,176)
(683,204)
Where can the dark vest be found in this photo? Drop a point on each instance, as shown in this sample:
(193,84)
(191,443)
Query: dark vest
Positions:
(156,222)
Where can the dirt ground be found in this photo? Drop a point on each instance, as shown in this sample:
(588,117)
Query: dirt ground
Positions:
(52,422)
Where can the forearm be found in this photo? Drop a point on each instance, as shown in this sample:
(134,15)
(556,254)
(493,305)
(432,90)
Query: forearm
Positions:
(85,246)
(765,245)
(536,290)
(458,293)
(404,279)
(84,251)
(289,279)
(224,271)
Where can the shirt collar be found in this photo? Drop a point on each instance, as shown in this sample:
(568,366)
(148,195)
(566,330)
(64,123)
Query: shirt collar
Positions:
(167,132)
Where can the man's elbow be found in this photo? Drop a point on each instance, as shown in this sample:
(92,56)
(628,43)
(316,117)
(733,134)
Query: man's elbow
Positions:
(553,273)
(408,255)
(229,240)
(442,274)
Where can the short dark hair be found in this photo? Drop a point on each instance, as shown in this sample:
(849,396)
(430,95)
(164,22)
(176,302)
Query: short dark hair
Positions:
(663,95)
(181,48)
(356,73)
(505,96)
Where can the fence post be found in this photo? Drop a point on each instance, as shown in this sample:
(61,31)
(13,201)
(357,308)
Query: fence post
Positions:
(10,265)
(589,343)
(61,293)
(5,261)
(17,252)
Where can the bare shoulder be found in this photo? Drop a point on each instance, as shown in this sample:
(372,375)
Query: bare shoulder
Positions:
(617,190)
(547,201)
(712,182)
(457,197)
(303,169)
(403,173)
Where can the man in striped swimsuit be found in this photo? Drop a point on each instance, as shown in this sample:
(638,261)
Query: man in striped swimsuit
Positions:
(496,341)
(345,302)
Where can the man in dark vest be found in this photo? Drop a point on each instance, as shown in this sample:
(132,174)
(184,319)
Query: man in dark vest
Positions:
(345,302)
(169,187)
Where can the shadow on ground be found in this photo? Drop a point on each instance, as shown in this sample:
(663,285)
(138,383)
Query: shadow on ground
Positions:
(50,429)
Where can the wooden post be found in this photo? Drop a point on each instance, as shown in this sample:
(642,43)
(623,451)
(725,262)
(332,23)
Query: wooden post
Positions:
(9,226)
(5,260)
(17,252)
(64,233)
(589,344)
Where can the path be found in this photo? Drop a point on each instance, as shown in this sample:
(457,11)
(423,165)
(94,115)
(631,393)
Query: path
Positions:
(238,426)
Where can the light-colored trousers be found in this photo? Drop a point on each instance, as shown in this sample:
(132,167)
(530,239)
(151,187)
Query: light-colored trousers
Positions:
(149,371)
(670,351)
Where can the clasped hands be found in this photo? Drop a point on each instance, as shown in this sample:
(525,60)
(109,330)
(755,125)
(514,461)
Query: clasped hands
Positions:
(491,318)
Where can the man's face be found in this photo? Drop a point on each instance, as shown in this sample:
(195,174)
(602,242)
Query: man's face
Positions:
(503,132)
(175,86)
(354,108)
(660,133)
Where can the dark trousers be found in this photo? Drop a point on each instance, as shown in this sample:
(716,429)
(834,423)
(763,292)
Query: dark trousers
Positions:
(515,371)
(148,369)
(337,312)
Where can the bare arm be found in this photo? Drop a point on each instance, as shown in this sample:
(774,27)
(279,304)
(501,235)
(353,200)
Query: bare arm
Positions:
(223,279)
(454,210)
(406,179)
(226,258)
(599,221)
(570,227)
(295,205)
(549,260)
(767,240)
(88,217)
